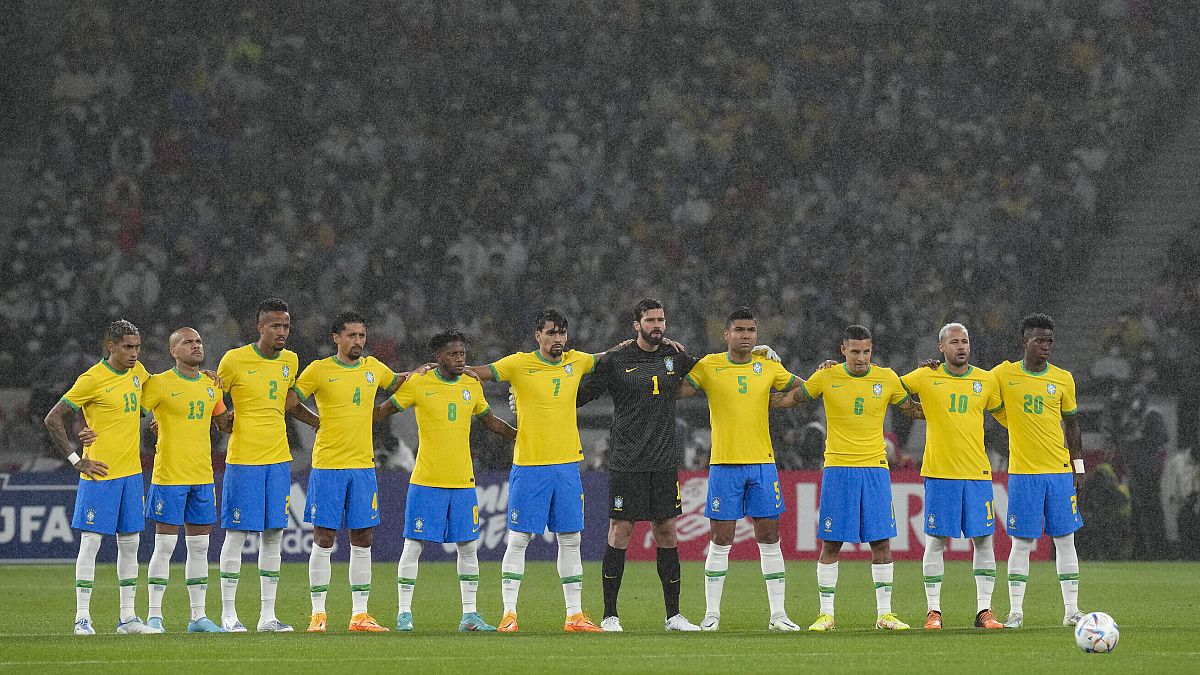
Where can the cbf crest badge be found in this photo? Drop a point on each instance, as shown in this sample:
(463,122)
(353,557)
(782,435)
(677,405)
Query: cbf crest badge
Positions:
(669,363)
(977,387)
(370,377)
(418,524)
(466,394)
(237,515)
(158,507)
(757,367)
(1050,389)
(877,389)
(568,369)
(286,370)
(716,504)
(829,524)
(91,516)
(618,503)
(137,382)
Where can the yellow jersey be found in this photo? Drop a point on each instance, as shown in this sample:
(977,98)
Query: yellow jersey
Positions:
(184,408)
(547,431)
(258,387)
(111,404)
(1034,407)
(739,401)
(345,402)
(855,408)
(954,407)
(444,410)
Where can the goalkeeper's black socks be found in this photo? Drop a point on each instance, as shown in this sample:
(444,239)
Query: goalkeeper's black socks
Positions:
(668,574)
(614,569)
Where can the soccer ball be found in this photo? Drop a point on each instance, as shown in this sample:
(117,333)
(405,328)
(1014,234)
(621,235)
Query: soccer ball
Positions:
(1097,632)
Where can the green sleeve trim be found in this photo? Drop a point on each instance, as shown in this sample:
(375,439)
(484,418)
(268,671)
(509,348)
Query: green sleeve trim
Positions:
(788,386)
(806,394)
(906,397)
(999,407)
(399,408)
(485,411)
(692,381)
(495,373)
(303,396)
(70,405)
(1071,412)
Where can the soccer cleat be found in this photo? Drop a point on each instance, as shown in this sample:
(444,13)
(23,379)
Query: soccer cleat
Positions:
(317,623)
(134,626)
(611,624)
(581,623)
(232,626)
(711,622)
(823,623)
(508,624)
(84,627)
(680,623)
(273,626)
(404,622)
(1073,618)
(985,619)
(473,623)
(365,623)
(155,622)
(1014,620)
(933,621)
(890,621)
(780,623)
(204,625)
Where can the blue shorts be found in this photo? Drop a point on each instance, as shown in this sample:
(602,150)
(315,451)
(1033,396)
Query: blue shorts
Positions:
(182,504)
(736,490)
(959,508)
(109,506)
(1034,497)
(255,497)
(545,496)
(444,515)
(856,504)
(342,496)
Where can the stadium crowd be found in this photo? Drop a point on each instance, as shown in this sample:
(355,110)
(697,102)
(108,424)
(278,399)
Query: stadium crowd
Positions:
(898,165)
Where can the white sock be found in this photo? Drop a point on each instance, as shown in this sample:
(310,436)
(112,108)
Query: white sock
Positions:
(1066,561)
(360,578)
(770,560)
(406,572)
(827,576)
(158,572)
(195,571)
(512,568)
(716,565)
(127,572)
(882,576)
(231,572)
(933,566)
(1018,573)
(984,562)
(85,573)
(269,559)
(570,571)
(468,574)
(318,575)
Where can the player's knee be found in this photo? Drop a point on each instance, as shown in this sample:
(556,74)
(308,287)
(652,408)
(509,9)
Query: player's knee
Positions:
(467,549)
(273,537)
(127,538)
(518,541)
(89,543)
(361,538)
(935,544)
(569,539)
(619,533)
(983,543)
(722,538)
(1065,542)
(665,535)
(321,537)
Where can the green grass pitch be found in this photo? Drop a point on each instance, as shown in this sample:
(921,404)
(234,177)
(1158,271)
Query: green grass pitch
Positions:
(1154,603)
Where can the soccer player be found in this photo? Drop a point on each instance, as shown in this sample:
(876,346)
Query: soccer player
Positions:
(856,491)
(109,500)
(545,489)
(182,490)
(643,454)
(442,506)
(958,475)
(1043,476)
(742,479)
(342,485)
(258,481)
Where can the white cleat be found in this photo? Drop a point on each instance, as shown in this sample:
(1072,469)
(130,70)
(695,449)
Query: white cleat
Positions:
(84,627)
(680,623)
(1073,618)
(611,624)
(232,625)
(782,624)
(711,622)
(135,626)
(273,626)
(1014,620)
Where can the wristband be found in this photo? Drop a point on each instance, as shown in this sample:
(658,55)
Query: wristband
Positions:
(1078,465)
(73,458)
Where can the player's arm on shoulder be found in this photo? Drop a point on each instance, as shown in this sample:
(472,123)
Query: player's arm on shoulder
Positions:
(620,345)
(791,395)
(296,409)
(594,384)
(911,408)
(484,373)
(497,426)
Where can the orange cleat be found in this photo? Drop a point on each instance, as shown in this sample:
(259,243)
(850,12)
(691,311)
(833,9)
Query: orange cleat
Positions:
(365,623)
(508,624)
(581,623)
(317,623)
(986,619)
(934,620)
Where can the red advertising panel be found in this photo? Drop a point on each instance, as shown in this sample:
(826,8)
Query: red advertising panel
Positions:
(798,526)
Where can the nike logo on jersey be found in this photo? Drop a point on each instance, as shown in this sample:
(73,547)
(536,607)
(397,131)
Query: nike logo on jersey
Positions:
(109,389)
(630,370)
(938,383)
(334,379)
(1013,384)
(430,393)
(175,393)
(535,370)
(251,372)
(720,368)
(836,386)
